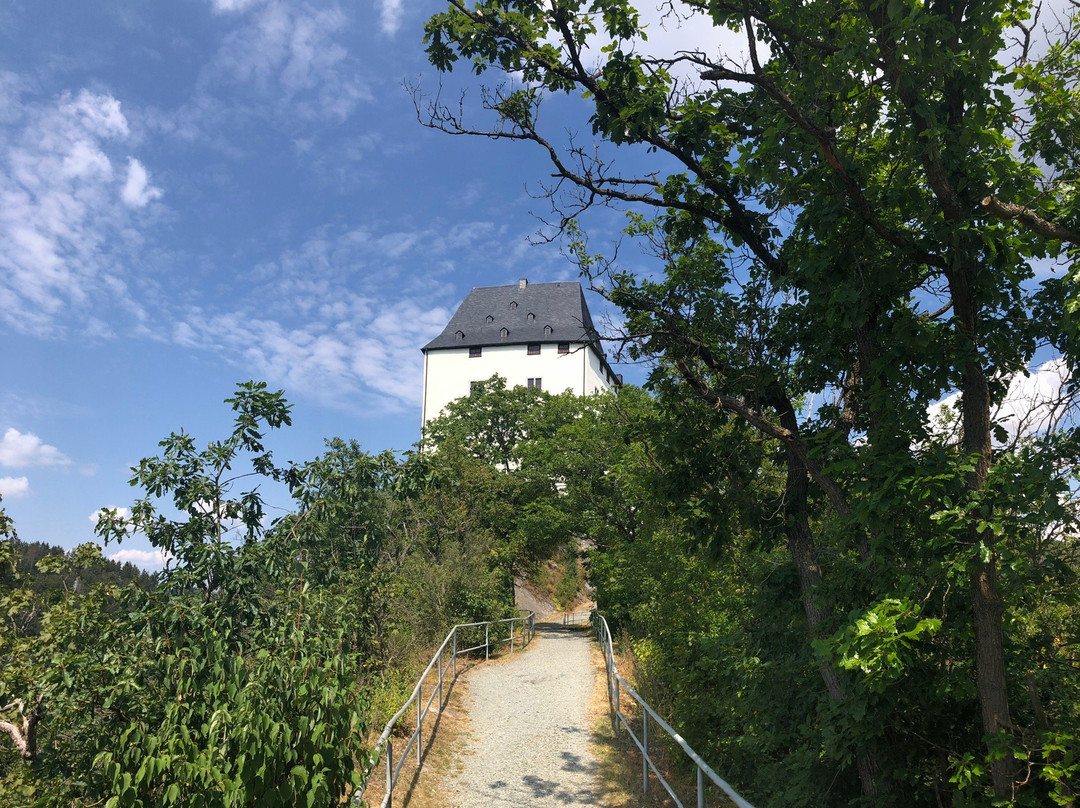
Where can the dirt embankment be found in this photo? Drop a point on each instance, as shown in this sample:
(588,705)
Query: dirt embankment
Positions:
(526,597)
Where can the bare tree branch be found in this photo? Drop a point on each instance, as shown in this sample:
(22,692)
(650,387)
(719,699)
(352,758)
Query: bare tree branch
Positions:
(24,733)
(1009,211)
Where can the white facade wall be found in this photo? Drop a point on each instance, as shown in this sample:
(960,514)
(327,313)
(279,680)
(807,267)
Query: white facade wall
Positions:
(448,372)
(597,378)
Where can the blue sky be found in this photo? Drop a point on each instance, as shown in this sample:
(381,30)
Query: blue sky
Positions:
(195,193)
(201,192)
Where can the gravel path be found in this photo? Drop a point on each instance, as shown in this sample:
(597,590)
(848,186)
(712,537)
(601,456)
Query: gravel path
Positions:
(529,730)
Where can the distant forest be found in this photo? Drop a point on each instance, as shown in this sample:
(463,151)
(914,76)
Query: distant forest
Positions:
(28,554)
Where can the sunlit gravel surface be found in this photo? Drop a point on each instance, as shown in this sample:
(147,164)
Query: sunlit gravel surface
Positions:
(528,741)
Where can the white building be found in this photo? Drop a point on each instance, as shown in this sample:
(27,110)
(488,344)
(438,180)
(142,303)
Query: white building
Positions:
(532,334)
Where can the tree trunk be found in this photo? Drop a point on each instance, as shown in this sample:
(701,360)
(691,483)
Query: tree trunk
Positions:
(801,548)
(991,679)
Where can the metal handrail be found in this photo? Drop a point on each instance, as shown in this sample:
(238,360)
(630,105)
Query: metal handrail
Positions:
(384,747)
(574,618)
(614,681)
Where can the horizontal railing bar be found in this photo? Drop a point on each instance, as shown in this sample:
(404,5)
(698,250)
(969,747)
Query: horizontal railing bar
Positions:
(416,690)
(604,633)
(403,757)
(473,648)
(526,618)
(666,785)
(668,729)
(427,670)
(649,761)
(492,622)
(431,698)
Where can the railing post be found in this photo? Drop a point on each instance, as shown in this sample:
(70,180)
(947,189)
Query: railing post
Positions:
(644,750)
(487,641)
(440,678)
(455,653)
(511,636)
(617,713)
(419,723)
(389,773)
(700,788)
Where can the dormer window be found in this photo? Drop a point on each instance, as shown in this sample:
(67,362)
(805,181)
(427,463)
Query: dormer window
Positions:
(459,335)
(490,319)
(530,316)
(547,330)
(513,304)
(504,333)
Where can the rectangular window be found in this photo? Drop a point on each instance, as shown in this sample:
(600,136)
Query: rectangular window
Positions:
(564,347)
(534,349)
(472,388)
(475,352)
(535,383)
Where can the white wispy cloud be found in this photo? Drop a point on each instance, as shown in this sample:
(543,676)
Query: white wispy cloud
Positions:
(147,559)
(14,487)
(1036,402)
(66,213)
(290,56)
(24,449)
(689,30)
(232,6)
(99,114)
(390,14)
(367,356)
(669,31)
(137,191)
(341,318)
(123,513)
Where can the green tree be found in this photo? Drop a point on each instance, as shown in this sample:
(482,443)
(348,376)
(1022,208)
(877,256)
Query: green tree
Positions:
(495,426)
(850,215)
(232,682)
(494,421)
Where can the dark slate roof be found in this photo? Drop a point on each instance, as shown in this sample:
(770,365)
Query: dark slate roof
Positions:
(488,310)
